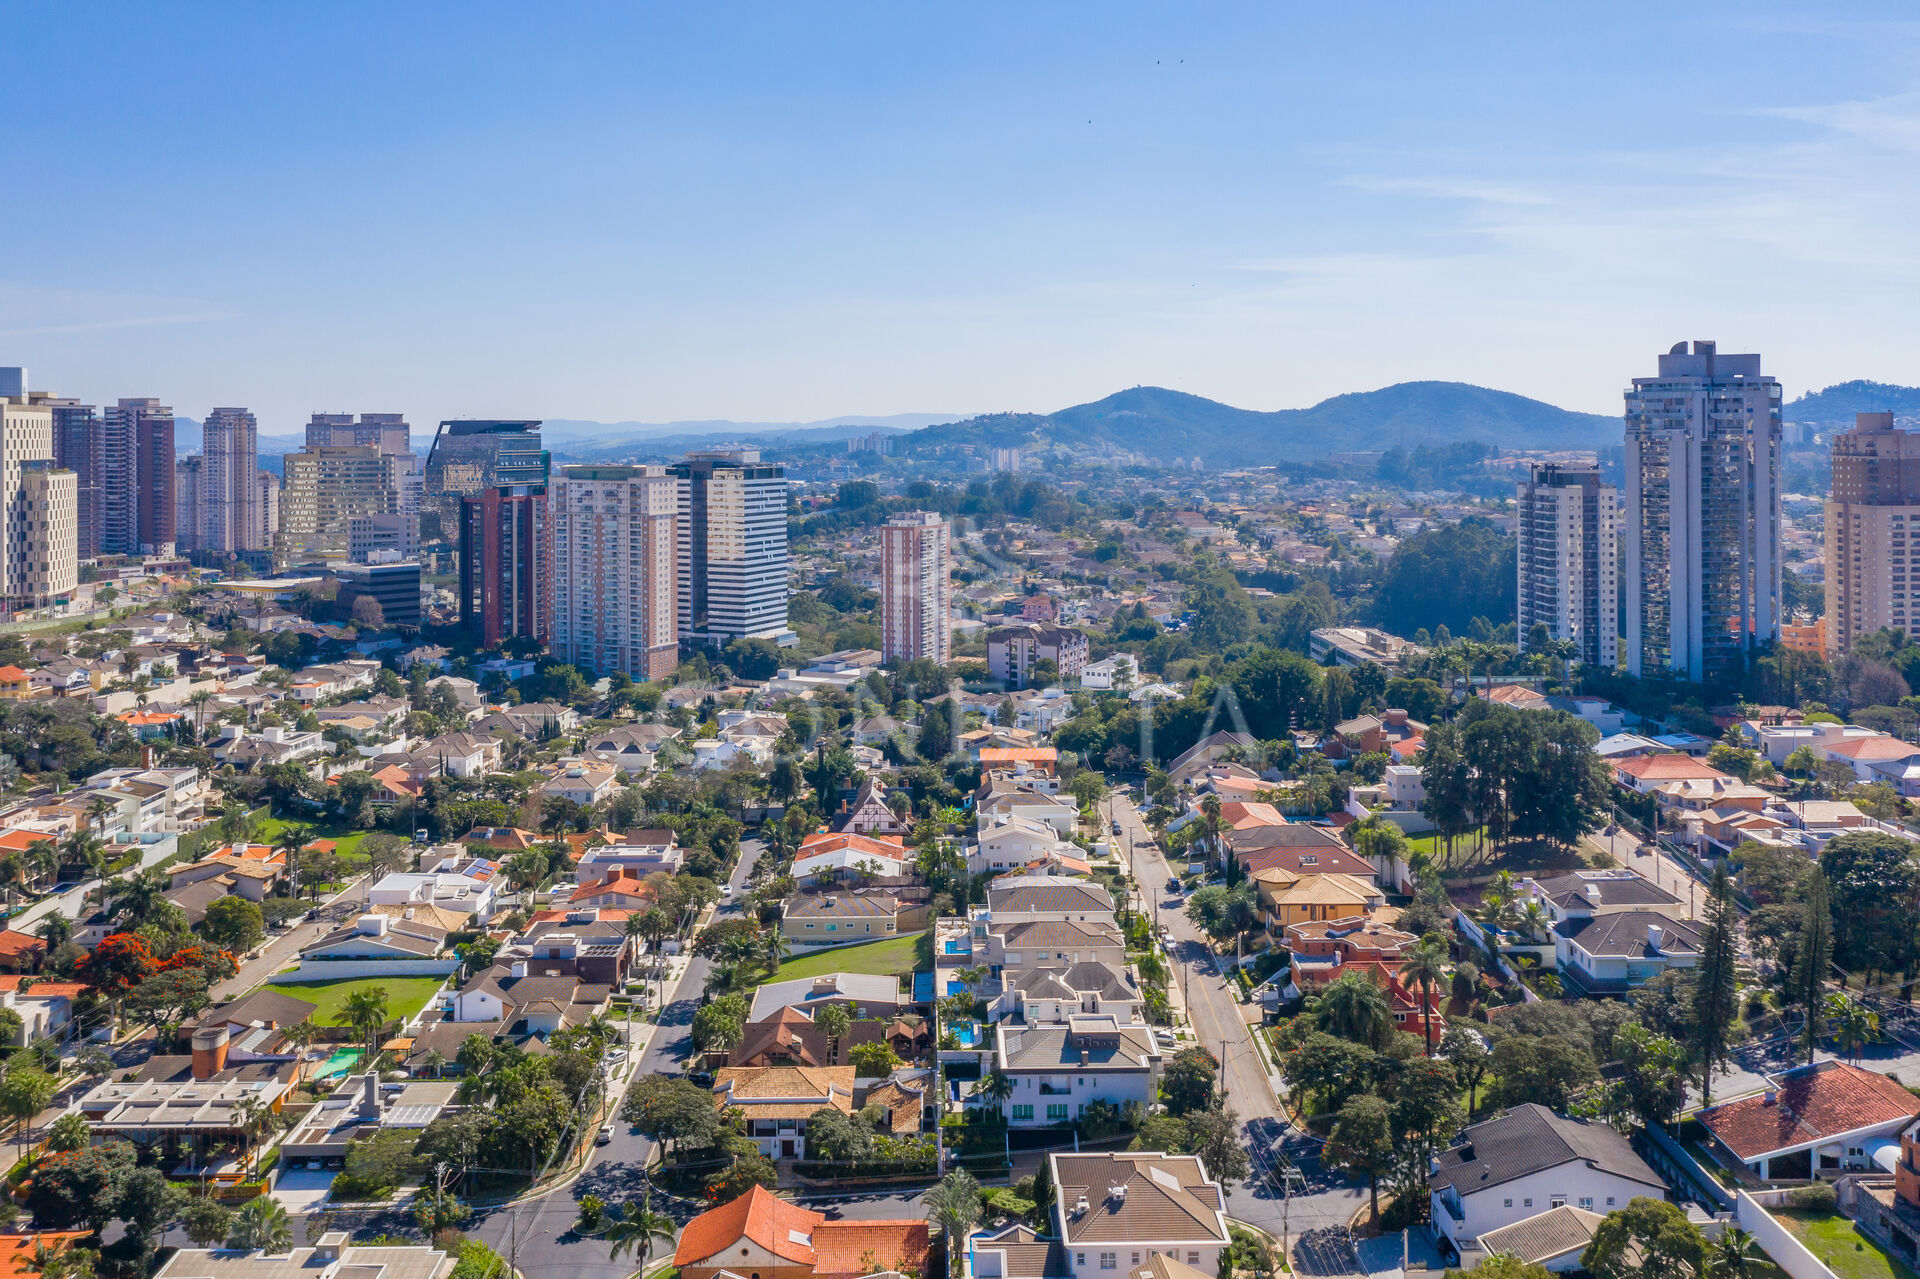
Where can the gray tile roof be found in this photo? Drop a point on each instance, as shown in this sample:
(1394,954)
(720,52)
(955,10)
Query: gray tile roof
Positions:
(1167,1198)
(1544,1235)
(1031,893)
(1625,934)
(1530,1139)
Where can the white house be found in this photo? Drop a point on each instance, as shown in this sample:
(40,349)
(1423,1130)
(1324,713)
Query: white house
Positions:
(1611,954)
(1114,1211)
(1011,843)
(1057,995)
(1115,672)
(464,893)
(1406,787)
(1058,1070)
(1815,1120)
(1528,1161)
(585,782)
(377,946)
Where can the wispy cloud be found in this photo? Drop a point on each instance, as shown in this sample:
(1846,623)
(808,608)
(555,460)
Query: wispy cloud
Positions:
(1891,123)
(1474,190)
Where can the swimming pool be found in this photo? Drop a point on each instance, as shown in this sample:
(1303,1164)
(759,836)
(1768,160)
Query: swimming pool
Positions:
(968,1035)
(339,1063)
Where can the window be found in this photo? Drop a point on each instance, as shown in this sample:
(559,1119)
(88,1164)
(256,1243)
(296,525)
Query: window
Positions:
(1193,1258)
(1586,1202)
(1109,1261)
(1136,1259)
(1057,1113)
(1508,1204)
(1558,1201)
(1079,1258)
(1526,1203)
(1609,1201)
(1023,1112)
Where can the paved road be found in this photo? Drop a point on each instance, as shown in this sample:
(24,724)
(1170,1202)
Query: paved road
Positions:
(1322,1199)
(1660,868)
(282,949)
(539,1236)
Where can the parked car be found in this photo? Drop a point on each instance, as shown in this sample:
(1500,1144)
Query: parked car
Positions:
(606,1135)
(1173,885)
(1116,828)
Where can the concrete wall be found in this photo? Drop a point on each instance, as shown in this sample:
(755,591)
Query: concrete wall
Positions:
(338,969)
(1778,1240)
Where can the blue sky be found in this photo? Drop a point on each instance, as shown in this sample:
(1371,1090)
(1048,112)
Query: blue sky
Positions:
(791,211)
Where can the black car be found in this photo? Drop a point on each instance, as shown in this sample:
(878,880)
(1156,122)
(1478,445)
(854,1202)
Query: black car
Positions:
(1173,885)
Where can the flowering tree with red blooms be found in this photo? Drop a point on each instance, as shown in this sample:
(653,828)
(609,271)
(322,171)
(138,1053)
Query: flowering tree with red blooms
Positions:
(214,963)
(119,963)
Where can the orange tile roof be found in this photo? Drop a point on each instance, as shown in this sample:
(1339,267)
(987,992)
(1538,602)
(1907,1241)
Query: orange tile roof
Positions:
(833,842)
(759,1216)
(1810,1104)
(1240,815)
(18,1251)
(611,914)
(1406,747)
(838,1247)
(1018,754)
(14,945)
(619,882)
(12,675)
(1874,748)
(19,840)
(1668,768)
(141,719)
(37,989)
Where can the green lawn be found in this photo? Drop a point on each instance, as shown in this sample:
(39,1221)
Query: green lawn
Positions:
(1846,1251)
(894,955)
(405,995)
(268,832)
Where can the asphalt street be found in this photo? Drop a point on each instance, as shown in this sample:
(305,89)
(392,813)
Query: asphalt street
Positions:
(538,1235)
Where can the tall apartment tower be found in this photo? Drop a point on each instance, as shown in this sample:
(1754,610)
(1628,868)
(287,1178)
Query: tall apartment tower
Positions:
(267,487)
(326,487)
(1702,518)
(733,547)
(470,456)
(78,446)
(1875,502)
(916,587)
(1569,542)
(136,500)
(229,520)
(613,569)
(38,563)
(505,568)
(189,497)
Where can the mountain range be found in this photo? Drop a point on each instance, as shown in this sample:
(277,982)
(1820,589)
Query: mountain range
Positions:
(1166,424)
(1838,403)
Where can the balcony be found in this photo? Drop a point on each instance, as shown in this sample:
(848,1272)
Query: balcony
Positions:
(1055,1090)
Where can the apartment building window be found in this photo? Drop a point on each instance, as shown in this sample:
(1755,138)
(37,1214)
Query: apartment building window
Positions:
(1109,1261)
(1026,1112)
(1057,1114)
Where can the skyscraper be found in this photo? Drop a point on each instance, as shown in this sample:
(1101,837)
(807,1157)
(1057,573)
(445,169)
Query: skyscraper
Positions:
(916,587)
(229,520)
(136,501)
(189,511)
(1569,543)
(613,573)
(505,567)
(37,560)
(470,456)
(267,487)
(326,487)
(733,547)
(1873,516)
(78,446)
(1702,514)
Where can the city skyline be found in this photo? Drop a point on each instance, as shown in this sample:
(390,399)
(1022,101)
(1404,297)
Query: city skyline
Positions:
(974,211)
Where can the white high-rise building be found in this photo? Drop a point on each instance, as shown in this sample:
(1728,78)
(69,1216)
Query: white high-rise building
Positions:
(39,560)
(1569,544)
(267,487)
(613,569)
(1702,518)
(229,495)
(733,547)
(916,587)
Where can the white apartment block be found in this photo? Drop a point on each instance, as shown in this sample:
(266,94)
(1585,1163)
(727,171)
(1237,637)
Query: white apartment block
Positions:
(1569,535)
(916,587)
(732,552)
(1873,532)
(613,569)
(229,494)
(1702,517)
(38,558)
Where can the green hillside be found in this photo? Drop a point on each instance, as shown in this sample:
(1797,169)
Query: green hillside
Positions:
(1838,403)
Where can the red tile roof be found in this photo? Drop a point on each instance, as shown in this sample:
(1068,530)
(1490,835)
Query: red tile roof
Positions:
(1874,748)
(11,675)
(619,882)
(41,989)
(18,1251)
(1667,768)
(14,945)
(834,841)
(759,1216)
(1811,1104)
(838,1247)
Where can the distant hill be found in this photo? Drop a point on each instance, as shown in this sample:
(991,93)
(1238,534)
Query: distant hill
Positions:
(1173,424)
(1838,403)
(573,432)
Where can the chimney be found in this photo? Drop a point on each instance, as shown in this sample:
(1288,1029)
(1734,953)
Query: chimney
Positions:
(209,1051)
(1655,934)
(1593,894)
(370,1096)
(1084,1058)
(1770,1098)
(519,968)
(328,1249)
(371,925)
(1117,1193)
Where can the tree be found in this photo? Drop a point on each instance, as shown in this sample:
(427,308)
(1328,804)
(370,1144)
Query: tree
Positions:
(261,1224)
(234,923)
(1531,1068)
(1647,1239)
(68,1132)
(80,1188)
(1362,1143)
(836,1135)
(366,1012)
(1503,1265)
(1214,1134)
(1467,1052)
(749,1168)
(1424,970)
(719,1026)
(677,1113)
(1854,1025)
(1327,1067)
(635,1228)
(208,1222)
(874,1060)
(1353,1006)
(1813,955)
(833,1021)
(1734,1255)
(1656,1073)
(1872,878)
(1715,992)
(954,1205)
(1188,1080)
(368,612)
(148,1205)
(24,1093)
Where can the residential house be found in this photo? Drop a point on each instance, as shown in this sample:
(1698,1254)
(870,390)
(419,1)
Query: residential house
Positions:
(583,782)
(1285,898)
(620,890)
(1119,1209)
(1056,995)
(1318,949)
(1556,1239)
(1585,893)
(362,1110)
(1818,1120)
(1116,672)
(869,813)
(1001,796)
(840,918)
(1058,1070)
(638,852)
(1864,754)
(469,891)
(1299,847)
(1009,842)
(1058,898)
(761,1234)
(1017,947)
(1613,953)
(528,998)
(531,721)
(332,1256)
(377,945)
(1644,774)
(1528,1161)
(462,754)
(865,995)
(632,748)
(246,750)
(581,942)
(777,1101)
(250,870)
(1209,750)
(838,857)
(789,1037)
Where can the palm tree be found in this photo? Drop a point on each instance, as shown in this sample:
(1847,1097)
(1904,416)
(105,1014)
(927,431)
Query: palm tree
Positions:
(1496,901)
(1423,969)
(139,899)
(1353,1007)
(255,1120)
(955,1205)
(97,809)
(637,1226)
(994,1087)
(435,1061)
(199,702)
(56,930)
(367,1013)
(834,1021)
(1534,919)
(261,1224)
(1733,1255)
(1210,822)
(1854,1024)
(293,838)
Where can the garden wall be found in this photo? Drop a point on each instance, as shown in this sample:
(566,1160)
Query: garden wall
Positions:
(1791,1255)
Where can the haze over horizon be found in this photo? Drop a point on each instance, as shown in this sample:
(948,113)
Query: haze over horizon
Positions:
(767,214)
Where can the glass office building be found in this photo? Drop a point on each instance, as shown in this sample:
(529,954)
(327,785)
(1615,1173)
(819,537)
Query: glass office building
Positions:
(470,457)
